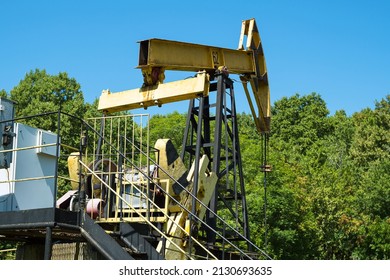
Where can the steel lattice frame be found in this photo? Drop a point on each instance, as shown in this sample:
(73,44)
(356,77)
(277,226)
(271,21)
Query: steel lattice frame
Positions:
(212,129)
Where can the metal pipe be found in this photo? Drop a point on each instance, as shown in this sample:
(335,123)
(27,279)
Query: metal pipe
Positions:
(28,179)
(28,148)
(55,191)
(28,226)
(48,243)
(120,166)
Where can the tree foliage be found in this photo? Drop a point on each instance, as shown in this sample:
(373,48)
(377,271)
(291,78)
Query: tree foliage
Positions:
(328,194)
(3,93)
(168,126)
(40,92)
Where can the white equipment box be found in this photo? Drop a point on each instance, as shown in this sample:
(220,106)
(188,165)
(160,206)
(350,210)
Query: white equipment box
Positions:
(29,181)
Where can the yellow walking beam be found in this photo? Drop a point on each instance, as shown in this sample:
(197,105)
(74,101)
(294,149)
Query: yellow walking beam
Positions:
(155,94)
(172,55)
(157,55)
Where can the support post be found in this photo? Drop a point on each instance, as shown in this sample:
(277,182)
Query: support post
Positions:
(48,243)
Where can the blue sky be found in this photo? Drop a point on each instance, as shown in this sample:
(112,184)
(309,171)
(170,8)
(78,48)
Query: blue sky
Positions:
(339,49)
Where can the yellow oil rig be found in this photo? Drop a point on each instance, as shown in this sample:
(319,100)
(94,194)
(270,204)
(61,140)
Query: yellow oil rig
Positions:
(129,199)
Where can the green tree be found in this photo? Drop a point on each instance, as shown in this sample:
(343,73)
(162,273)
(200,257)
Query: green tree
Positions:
(299,124)
(250,147)
(3,93)
(371,141)
(168,126)
(369,154)
(300,121)
(328,193)
(40,92)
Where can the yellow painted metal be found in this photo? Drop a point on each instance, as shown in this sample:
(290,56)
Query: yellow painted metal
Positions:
(73,167)
(259,81)
(133,215)
(157,55)
(247,61)
(172,55)
(170,161)
(179,220)
(155,95)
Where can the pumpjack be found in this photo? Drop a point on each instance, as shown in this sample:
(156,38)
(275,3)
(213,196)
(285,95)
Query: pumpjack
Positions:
(157,202)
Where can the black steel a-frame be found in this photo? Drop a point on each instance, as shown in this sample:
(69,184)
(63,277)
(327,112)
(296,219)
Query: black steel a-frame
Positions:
(212,129)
